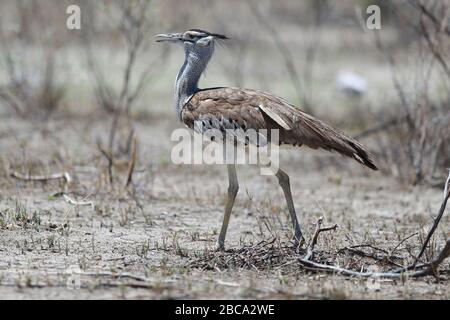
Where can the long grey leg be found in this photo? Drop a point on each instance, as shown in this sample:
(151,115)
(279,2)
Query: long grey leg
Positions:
(283,180)
(233,187)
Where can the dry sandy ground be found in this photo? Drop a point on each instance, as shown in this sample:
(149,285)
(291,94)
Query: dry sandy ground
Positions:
(157,240)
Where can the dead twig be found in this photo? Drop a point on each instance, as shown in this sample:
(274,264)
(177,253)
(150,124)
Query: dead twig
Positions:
(56,176)
(261,256)
(386,257)
(369,246)
(132,163)
(314,266)
(109,156)
(313,242)
(391,253)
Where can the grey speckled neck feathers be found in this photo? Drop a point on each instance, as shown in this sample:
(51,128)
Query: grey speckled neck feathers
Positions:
(186,83)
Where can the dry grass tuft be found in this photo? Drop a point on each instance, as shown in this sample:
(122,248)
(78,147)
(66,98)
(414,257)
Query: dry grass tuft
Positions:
(265,255)
(273,254)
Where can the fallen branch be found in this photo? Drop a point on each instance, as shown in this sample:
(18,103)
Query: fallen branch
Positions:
(136,280)
(55,176)
(436,221)
(429,268)
(444,254)
(386,257)
(123,275)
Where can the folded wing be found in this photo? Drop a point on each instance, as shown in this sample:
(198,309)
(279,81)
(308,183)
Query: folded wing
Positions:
(235,108)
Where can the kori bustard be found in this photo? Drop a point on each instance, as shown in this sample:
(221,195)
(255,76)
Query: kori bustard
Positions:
(230,108)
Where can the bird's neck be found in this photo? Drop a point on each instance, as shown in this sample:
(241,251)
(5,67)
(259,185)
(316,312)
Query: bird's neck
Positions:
(186,83)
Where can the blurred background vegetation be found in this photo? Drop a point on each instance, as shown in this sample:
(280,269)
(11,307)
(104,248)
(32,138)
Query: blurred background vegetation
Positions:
(390,87)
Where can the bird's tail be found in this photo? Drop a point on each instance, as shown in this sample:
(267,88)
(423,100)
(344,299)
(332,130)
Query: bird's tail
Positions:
(360,154)
(300,128)
(329,138)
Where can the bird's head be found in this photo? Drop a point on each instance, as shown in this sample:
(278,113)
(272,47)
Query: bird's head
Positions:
(196,41)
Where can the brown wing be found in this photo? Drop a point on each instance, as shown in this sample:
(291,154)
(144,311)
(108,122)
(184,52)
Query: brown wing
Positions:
(232,108)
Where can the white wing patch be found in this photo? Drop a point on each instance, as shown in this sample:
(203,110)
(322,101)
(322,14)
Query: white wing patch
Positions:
(275,117)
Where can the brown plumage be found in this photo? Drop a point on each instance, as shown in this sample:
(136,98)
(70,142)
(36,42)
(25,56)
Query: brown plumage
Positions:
(234,108)
(229,108)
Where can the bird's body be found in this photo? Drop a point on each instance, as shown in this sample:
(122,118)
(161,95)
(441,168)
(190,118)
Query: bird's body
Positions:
(235,108)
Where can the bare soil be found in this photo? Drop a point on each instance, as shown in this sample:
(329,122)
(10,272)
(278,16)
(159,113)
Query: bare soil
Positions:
(158,240)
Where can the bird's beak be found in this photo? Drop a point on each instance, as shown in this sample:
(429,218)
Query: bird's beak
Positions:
(168,37)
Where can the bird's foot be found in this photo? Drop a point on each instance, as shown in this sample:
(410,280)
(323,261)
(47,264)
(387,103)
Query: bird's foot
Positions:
(299,241)
(220,247)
